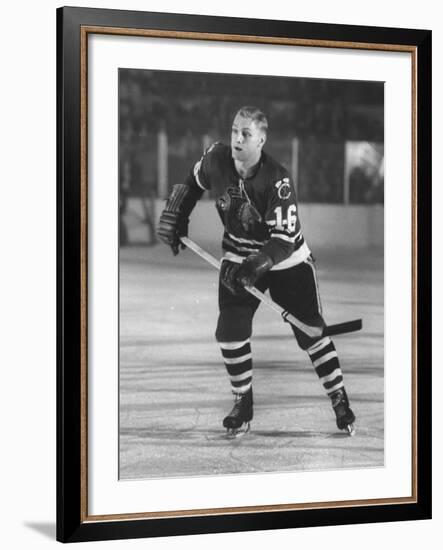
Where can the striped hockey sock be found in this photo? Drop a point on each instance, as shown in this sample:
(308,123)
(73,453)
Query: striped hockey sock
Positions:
(238,361)
(325,361)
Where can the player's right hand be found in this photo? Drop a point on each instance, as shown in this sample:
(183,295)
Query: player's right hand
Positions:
(252,268)
(170,228)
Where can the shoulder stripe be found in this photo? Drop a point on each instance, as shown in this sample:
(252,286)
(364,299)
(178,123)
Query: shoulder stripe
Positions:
(197,166)
(196,176)
(209,149)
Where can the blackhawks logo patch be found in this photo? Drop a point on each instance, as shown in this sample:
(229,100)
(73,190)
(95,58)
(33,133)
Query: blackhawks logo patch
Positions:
(283,189)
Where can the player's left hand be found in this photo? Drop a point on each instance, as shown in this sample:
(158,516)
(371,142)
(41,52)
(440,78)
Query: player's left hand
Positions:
(252,267)
(228,272)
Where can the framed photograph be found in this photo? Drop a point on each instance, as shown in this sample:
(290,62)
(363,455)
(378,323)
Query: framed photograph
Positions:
(244,274)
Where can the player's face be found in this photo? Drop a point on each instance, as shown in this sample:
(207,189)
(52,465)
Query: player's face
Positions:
(247,139)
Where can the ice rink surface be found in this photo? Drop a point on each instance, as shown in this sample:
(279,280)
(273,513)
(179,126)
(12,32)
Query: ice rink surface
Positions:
(174,390)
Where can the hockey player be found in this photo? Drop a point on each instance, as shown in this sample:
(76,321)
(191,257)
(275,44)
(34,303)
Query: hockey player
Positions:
(263,246)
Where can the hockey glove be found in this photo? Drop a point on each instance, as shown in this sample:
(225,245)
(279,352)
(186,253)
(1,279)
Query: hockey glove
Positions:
(174,219)
(252,268)
(170,228)
(228,271)
(235,277)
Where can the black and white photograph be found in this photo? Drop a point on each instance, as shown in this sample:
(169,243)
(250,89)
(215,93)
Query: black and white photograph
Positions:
(243,274)
(251,274)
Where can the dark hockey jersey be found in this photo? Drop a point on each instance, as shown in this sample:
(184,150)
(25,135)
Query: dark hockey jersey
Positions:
(271,192)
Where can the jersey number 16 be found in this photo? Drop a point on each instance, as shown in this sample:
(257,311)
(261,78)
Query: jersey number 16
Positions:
(290,222)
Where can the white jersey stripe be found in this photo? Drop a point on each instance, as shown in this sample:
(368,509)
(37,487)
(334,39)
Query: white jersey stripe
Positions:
(297,257)
(242,248)
(283,231)
(246,241)
(283,237)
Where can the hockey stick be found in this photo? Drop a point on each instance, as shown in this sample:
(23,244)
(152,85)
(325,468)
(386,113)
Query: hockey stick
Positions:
(313,332)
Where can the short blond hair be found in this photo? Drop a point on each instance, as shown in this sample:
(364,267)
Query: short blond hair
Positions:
(255,114)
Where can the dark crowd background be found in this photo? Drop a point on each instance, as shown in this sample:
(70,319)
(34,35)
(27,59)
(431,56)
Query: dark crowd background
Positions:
(194,109)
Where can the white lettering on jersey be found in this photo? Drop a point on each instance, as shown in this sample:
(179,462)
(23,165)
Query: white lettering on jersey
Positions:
(291,220)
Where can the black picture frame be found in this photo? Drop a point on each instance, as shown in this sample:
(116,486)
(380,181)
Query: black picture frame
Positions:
(73,522)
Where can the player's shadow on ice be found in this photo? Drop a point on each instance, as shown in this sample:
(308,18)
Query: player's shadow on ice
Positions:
(291,434)
(171,436)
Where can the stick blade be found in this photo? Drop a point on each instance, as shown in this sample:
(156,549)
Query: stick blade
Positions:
(343,328)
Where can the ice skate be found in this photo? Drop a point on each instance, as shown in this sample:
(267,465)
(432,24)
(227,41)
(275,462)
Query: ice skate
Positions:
(238,420)
(344,415)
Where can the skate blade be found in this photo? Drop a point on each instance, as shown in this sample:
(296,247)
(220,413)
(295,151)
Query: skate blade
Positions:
(235,433)
(350,429)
